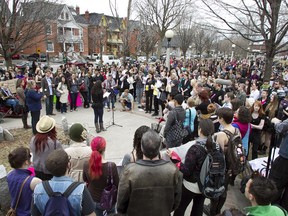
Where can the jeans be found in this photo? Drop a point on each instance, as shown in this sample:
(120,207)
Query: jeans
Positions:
(89,95)
(11,102)
(100,212)
(255,139)
(218,203)
(186,198)
(156,105)
(58,104)
(35,116)
(111,99)
(73,97)
(139,93)
(49,104)
(149,97)
(63,107)
(85,98)
(98,115)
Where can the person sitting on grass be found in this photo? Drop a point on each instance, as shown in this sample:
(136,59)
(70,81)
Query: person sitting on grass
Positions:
(127,100)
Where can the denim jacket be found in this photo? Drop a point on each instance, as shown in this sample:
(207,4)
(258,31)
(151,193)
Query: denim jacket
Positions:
(282,128)
(59,184)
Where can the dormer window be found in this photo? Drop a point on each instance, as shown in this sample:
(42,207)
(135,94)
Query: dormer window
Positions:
(62,15)
(67,16)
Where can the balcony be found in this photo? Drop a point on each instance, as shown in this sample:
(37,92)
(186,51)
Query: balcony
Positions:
(114,41)
(68,38)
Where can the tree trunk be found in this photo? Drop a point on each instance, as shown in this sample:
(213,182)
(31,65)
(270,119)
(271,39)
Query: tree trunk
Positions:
(8,61)
(184,53)
(268,68)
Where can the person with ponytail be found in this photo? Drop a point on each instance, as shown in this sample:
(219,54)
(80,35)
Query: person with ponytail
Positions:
(191,168)
(96,172)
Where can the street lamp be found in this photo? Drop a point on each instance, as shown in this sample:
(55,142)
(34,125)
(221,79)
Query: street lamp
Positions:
(248,52)
(233,46)
(169,35)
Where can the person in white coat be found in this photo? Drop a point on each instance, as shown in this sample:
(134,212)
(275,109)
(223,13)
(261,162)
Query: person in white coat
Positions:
(63,91)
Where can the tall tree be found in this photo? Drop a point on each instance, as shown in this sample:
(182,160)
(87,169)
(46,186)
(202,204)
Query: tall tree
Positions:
(163,14)
(125,31)
(185,34)
(202,40)
(23,24)
(257,21)
(148,38)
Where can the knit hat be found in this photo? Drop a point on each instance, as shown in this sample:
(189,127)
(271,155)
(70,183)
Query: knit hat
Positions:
(45,124)
(77,132)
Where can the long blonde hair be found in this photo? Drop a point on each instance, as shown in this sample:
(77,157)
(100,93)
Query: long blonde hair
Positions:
(272,107)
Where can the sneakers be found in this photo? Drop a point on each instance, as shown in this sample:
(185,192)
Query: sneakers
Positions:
(108,110)
(155,114)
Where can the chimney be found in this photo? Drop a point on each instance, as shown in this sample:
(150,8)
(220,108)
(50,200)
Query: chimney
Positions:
(87,15)
(77,10)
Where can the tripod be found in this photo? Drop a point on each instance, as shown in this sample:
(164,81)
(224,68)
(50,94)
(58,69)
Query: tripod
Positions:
(112,96)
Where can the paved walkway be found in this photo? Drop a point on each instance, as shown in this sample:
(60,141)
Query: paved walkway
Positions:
(120,139)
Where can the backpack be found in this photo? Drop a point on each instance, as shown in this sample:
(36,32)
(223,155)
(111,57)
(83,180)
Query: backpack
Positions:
(235,155)
(211,181)
(58,203)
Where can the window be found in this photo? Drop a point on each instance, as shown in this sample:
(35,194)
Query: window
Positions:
(50,46)
(67,16)
(60,31)
(62,15)
(81,47)
(48,30)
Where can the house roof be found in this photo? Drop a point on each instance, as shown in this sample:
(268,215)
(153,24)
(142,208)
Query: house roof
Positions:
(44,9)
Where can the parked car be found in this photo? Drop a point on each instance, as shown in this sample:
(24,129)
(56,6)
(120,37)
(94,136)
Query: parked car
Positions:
(93,56)
(43,57)
(141,58)
(16,56)
(33,57)
(153,58)
(108,59)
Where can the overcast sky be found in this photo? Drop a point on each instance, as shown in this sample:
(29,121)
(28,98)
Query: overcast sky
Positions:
(98,6)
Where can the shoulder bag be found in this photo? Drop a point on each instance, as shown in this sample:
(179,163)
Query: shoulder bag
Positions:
(109,194)
(176,131)
(12,211)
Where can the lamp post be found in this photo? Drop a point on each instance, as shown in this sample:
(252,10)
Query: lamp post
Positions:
(233,47)
(248,52)
(169,35)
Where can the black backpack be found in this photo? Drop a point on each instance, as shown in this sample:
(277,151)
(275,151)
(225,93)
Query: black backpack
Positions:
(235,155)
(211,181)
(58,203)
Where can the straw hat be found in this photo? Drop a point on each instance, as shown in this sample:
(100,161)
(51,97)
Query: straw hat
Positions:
(45,124)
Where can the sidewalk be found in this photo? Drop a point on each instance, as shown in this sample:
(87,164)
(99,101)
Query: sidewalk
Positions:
(120,139)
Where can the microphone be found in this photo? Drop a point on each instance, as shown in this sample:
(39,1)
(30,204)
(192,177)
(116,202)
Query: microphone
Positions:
(223,82)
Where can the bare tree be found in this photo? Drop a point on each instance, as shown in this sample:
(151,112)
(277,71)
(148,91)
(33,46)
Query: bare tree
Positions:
(202,39)
(126,32)
(24,25)
(163,14)
(185,34)
(257,21)
(148,38)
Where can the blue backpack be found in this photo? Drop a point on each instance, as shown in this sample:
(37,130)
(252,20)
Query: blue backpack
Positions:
(58,203)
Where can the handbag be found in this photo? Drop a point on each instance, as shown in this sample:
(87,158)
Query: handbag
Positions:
(176,132)
(12,211)
(82,87)
(109,194)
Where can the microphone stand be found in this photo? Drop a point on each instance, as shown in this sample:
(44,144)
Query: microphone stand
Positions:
(112,97)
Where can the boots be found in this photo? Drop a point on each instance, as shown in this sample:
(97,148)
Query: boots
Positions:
(97,128)
(102,127)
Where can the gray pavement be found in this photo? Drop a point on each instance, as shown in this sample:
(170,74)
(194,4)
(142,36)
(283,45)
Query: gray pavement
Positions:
(120,139)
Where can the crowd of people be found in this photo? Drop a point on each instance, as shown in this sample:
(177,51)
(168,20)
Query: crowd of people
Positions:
(207,98)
